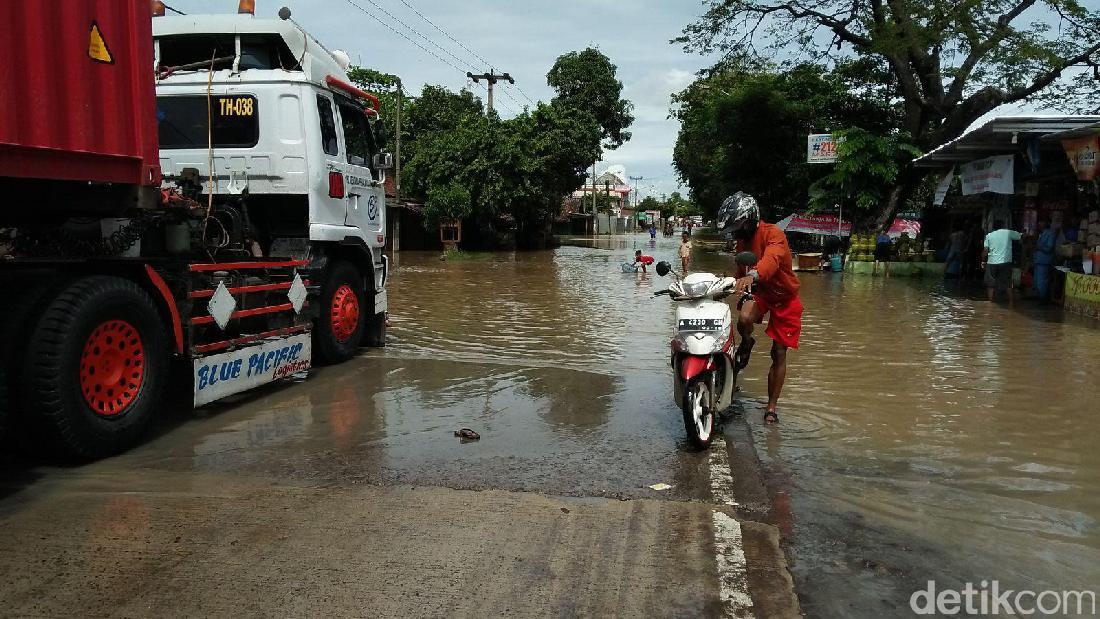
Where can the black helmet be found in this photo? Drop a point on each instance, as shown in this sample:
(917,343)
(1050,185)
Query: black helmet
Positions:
(739,213)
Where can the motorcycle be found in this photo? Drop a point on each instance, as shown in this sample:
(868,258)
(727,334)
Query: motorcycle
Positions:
(704,375)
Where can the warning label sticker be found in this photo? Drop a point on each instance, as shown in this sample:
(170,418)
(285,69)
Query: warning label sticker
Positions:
(97,46)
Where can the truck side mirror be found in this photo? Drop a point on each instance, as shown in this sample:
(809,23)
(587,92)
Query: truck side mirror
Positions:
(663,268)
(383,161)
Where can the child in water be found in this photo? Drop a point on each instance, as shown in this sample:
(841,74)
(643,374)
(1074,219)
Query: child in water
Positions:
(642,260)
(685,251)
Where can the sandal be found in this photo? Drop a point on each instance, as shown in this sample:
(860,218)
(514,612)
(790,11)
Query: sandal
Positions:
(771,417)
(741,357)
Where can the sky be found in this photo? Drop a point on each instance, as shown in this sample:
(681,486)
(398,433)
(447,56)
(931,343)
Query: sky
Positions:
(521,37)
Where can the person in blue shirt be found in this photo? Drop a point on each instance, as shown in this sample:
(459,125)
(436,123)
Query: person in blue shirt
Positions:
(1043,259)
(883,251)
(997,261)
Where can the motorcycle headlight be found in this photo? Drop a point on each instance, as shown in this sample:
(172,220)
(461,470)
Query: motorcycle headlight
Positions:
(697,289)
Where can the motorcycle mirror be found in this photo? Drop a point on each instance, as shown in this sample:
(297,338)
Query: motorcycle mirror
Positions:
(746,259)
(663,268)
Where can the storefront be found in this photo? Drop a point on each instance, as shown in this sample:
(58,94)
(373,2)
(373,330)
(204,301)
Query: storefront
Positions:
(1082,290)
(1016,170)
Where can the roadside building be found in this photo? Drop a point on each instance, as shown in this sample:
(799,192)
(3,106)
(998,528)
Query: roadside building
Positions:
(1020,169)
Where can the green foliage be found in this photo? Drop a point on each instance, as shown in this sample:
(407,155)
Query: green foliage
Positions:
(586,83)
(675,204)
(387,88)
(521,167)
(743,127)
(867,167)
(939,65)
(451,201)
(461,163)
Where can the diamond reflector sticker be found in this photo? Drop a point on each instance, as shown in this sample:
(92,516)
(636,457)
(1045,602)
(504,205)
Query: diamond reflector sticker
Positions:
(297,294)
(221,306)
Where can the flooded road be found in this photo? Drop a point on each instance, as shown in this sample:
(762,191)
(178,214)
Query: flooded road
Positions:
(925,435)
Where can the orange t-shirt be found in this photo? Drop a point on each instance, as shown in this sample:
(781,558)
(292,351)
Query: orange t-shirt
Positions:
(778,283)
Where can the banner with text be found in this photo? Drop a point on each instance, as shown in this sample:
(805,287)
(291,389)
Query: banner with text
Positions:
(821,148)
(808,223)
(1082,294)
(1082,153)
(992,174)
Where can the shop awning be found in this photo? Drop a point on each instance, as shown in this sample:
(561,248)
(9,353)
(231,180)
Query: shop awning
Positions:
(1002,135)
(809,223)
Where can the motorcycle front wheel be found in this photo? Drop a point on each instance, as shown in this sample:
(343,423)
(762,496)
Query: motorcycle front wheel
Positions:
(698,416)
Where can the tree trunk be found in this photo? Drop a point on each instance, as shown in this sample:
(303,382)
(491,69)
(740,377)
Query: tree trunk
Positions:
(907,182)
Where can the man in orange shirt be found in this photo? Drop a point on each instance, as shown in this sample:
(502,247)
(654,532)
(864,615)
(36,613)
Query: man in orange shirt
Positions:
(774,289)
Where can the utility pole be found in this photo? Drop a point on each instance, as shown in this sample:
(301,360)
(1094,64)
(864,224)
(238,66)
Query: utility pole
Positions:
(397,174)
(636,179)
(492,79)
(594,193)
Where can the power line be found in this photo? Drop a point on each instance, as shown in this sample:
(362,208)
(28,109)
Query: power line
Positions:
(405,36)
(465,47)
(415,31)
(416,43)
(445,33)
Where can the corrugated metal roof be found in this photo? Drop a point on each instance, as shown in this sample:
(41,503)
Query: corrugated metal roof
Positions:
(1000,136)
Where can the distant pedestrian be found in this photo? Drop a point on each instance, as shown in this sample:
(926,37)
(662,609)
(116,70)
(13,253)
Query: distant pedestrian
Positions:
(642,260)
(997,261)
(883,250)
(652,230)
(1043,259)
(685,252)
(956,253)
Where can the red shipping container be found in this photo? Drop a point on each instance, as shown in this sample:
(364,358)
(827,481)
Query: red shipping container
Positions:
(77,92)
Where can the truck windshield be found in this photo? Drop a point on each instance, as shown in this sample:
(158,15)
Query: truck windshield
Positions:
(182,121)
(258,51)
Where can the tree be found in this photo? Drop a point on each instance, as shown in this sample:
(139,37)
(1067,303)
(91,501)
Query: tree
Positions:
(386,87)
(743,127)
(948,62)
(451,201)
(586,83)
(649,203)
(867,166)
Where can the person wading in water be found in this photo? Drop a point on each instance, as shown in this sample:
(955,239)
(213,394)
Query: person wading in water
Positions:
(774,290)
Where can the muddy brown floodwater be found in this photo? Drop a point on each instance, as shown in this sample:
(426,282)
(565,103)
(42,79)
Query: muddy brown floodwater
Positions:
(926,434)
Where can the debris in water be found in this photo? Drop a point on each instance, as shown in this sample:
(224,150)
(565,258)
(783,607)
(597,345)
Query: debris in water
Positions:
(661,486)
(467,434)
(564,510)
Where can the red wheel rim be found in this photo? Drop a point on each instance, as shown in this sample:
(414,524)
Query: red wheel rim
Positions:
(344,313)
(112,367)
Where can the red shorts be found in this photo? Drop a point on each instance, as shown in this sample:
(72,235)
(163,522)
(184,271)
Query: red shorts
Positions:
(784,321)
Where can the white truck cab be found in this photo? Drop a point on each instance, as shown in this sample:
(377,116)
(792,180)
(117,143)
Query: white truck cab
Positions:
(295,149)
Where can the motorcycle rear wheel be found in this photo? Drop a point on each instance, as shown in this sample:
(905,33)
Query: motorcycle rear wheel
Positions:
(698,416)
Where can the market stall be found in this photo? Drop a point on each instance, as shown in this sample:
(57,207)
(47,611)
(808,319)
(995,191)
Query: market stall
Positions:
(1015,170)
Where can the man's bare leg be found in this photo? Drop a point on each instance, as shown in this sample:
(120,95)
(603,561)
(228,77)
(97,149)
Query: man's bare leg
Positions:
(776,376)
(746,320)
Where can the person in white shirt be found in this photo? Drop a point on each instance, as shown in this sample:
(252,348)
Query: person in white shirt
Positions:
(997,261)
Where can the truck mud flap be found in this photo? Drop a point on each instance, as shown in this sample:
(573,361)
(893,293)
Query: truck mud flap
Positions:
(224,374)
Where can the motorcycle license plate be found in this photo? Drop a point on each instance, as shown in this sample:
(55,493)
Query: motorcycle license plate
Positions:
(701,324)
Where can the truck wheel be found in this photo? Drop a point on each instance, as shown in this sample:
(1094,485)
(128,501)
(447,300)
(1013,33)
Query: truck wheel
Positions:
(95,366)
(339,328)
